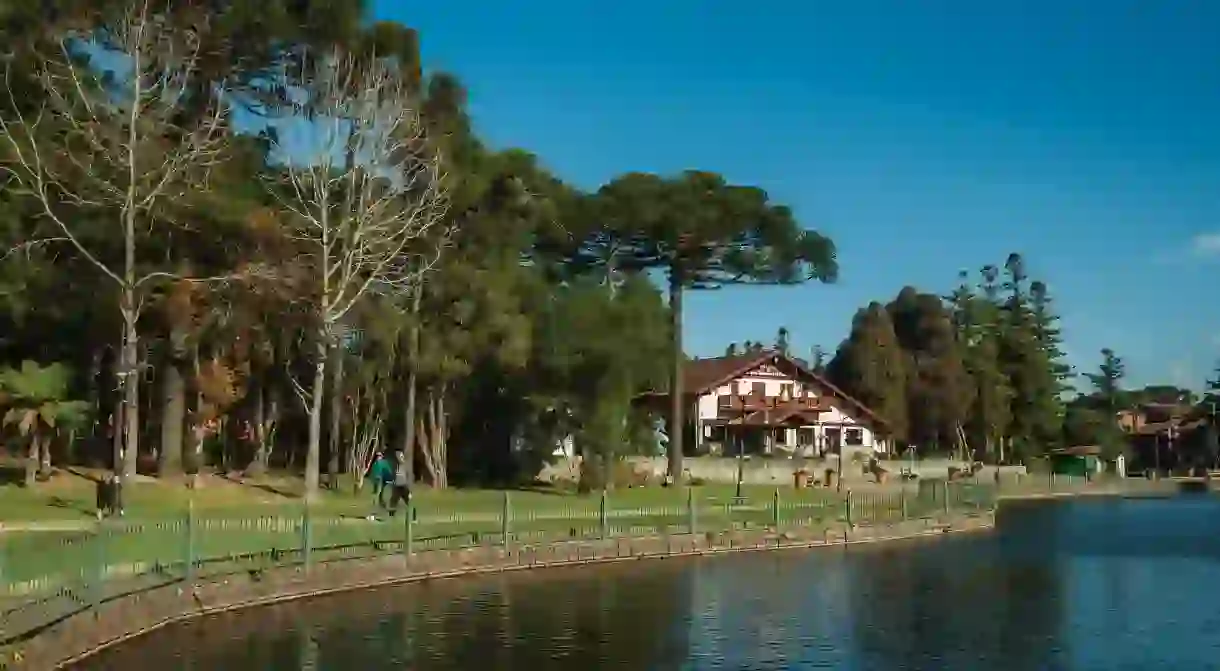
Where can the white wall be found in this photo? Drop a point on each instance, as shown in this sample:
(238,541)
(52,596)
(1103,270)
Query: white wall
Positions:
(709,407)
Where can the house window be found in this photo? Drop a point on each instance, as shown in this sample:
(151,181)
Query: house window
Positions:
(854,437)
(759,389)
(785,392)
(723,400)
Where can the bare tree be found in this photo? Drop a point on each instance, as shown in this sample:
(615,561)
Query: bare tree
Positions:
(362,190)
(122,132)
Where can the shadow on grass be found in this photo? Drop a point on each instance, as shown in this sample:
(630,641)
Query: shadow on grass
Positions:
(67,504)
(277,490)
(76,471)
(11,474)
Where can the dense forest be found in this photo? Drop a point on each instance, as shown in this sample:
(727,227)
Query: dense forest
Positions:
(249,235)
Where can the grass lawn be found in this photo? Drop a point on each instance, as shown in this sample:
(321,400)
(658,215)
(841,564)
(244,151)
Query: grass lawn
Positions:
(70,497)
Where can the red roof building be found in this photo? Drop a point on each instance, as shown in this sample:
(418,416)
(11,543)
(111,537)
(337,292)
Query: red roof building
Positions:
(767,402)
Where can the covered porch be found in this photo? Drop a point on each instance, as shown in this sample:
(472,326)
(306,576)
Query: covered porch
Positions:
(747,425)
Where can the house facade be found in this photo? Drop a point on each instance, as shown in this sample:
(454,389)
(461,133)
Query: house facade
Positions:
(770,403)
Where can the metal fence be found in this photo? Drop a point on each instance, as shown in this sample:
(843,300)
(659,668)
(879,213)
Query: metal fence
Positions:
(47,576)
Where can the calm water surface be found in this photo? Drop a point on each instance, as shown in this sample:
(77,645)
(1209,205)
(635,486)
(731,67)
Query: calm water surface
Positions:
(1101,584)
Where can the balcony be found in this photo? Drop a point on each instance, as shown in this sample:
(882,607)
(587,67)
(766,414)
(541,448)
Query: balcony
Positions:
(736,405)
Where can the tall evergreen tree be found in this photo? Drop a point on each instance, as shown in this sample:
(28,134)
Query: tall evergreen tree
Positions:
(1107,381)
(818,359)
(781,341)
(1030,355)
(703,233)
(871,366)
(939,390)
(977,320)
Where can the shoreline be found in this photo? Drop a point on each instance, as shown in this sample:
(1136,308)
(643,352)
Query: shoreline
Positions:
(128,617)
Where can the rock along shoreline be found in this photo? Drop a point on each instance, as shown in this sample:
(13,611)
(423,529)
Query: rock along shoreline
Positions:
(124,618)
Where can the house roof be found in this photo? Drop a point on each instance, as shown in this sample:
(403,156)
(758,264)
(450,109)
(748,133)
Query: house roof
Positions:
(700,376)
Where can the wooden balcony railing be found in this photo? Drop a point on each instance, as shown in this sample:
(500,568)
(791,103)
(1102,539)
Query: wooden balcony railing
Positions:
(754,403)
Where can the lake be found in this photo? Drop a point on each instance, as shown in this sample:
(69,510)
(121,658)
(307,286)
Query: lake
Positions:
(1086,584)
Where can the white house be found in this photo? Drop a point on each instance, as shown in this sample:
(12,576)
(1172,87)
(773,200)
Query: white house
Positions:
(768,402)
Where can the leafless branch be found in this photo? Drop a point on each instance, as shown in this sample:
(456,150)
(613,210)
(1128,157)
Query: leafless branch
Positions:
(297,387)
(107,134)
(30,245)
(365,189)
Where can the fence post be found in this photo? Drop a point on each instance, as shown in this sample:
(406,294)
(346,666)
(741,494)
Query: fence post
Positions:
(190,540)
(775,510)
(5,587)
(847,507)
(902,502)
(505,516)
(601,516)
(99,570)
(408,540)
(307,536)
(691,521)
(945,497)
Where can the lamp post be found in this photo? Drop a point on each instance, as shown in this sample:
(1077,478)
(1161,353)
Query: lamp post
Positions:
(740,470)
(1156,456)
(1170,435)
(838,444)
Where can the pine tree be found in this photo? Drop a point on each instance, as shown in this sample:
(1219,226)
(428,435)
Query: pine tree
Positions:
(976,318)
(939,390)
(1032,361)
(817,359)
(781,340)
(1107,381)
(869,365)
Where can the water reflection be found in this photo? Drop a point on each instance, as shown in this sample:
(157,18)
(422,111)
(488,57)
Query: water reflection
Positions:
(1082,585)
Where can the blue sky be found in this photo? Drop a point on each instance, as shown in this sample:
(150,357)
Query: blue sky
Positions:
(923,137)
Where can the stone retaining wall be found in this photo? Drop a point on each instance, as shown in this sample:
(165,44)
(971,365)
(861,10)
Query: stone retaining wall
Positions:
(124,618)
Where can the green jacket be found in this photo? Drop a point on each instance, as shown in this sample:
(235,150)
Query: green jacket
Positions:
(382,471)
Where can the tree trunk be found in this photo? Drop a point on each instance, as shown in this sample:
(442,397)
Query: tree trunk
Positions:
(408,442)
(44,457)
(173,417)
(335,440)
(313,455)
(130,367)
(676,392)
(266,413)
(441,435)
(116,434)
(31,461)
(432,439)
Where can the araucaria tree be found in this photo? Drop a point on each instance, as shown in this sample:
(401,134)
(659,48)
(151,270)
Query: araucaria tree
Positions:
(359,192)
(703,233)
(108,132)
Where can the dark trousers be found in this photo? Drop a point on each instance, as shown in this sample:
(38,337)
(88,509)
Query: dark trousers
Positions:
(109,497)
(380,489)
(399,493)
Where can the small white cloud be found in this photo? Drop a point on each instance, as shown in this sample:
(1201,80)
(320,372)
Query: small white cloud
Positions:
(1206,244)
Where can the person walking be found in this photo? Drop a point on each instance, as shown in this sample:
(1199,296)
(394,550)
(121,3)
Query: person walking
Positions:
(382,474)
(401,488)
